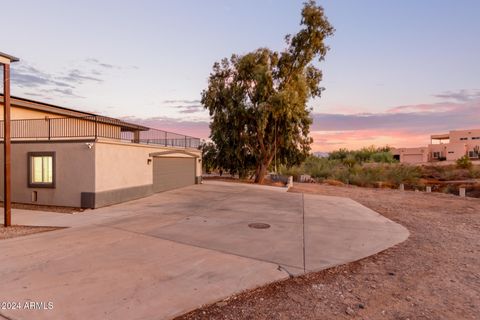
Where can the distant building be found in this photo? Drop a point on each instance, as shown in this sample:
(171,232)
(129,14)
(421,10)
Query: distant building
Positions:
(448,146)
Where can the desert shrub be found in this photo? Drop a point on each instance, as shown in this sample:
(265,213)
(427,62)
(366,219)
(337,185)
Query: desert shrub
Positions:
(338,154)
(294,171)
(474,172)
(433,172)
(350,161)
(397,174)
(340,173)
(383,157)
(464,162)
(365,154)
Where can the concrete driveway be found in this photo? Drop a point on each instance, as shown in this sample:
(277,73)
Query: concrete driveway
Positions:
(161,256)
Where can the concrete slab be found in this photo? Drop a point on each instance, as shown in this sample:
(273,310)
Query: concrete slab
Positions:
(167,254)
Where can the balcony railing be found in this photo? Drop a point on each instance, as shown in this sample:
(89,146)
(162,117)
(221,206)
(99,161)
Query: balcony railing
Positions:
(93,127)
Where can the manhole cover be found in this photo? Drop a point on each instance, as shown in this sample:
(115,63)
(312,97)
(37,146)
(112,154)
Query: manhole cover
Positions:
(259,225)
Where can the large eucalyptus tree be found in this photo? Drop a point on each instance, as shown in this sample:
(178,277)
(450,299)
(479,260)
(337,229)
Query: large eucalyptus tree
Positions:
(258,101)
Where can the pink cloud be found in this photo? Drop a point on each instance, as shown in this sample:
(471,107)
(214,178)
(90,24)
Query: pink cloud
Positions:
(355,139)
(403,126)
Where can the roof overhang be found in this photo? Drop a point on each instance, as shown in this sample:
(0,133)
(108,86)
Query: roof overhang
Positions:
(7,59)
(444,136)
(171,152)
(66,112)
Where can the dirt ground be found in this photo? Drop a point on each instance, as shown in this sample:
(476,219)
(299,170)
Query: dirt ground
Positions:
(35,207)
(18,231)
(435,274)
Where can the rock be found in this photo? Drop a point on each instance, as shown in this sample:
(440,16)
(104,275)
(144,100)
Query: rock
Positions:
(349,311)
(408,298)
(361,306)
(221,304)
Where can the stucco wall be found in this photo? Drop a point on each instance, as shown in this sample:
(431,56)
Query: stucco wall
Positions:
(75,173)
(17,113)
(412,155)
(469,134)
(456,151)
(124,165)
(110,172)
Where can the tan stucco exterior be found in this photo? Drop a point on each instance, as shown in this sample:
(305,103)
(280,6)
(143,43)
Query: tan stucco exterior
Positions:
(448,146)
(412,155)
(127,165)
(22,113)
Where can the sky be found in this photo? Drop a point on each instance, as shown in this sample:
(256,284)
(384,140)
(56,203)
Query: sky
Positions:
(397,71)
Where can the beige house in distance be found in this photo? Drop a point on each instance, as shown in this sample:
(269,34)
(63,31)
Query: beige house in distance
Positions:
(449,146)
(65,157)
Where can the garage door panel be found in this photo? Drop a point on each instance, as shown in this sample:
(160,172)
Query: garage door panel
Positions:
(172,173)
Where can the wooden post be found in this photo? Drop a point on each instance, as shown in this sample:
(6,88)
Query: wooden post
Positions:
(7,192)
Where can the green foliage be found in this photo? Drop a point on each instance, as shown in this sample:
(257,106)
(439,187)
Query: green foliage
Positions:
(474,172)
(366,154)
(464,162)
(258,101)
(348,170)
(209,156)
(350,161)
(383,157)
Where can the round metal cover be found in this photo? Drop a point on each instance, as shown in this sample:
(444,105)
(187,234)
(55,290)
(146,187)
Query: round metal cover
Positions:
(259,225)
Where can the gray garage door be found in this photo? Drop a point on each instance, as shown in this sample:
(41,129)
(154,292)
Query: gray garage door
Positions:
(171,173)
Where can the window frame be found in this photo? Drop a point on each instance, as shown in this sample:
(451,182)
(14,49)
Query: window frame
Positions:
(32,184)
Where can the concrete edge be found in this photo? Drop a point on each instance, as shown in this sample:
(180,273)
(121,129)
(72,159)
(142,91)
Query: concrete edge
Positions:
(246,185)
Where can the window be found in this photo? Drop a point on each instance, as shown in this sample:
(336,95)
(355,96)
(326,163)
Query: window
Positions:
(41,169)
(475,138)
(473,154)
(436,155)
(450,152)
(463,138)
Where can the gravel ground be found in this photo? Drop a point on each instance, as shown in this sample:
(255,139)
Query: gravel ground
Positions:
(35,207)
(18,231)
(435,274)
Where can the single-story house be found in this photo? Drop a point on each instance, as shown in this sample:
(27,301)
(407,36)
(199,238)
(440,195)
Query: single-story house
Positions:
(66,157)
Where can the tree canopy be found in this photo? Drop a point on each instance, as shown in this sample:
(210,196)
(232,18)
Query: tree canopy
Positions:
(258,101)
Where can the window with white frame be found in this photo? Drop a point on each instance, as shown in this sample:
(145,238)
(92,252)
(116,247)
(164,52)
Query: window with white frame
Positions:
(41,169)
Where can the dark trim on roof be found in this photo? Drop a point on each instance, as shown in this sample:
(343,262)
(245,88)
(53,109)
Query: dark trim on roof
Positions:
(76,113)
(9,57)
(50,105)
(166,153)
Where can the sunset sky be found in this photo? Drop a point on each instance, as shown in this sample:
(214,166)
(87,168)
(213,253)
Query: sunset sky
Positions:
(397,71)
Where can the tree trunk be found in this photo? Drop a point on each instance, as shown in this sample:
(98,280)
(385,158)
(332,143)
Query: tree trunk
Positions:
(262,169)
(261,172)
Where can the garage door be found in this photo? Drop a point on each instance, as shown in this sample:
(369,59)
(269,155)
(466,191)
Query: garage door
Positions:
(412,158)
(171,173)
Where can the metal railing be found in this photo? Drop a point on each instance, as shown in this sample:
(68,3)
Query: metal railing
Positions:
(93,127)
